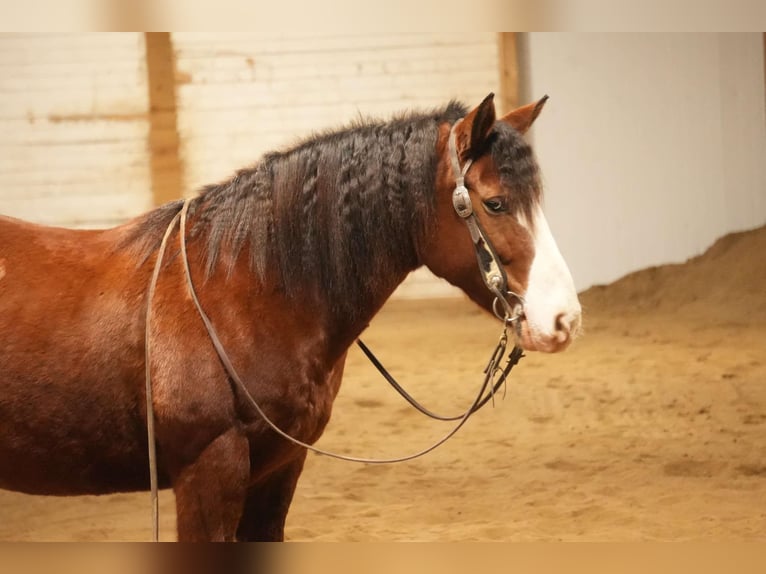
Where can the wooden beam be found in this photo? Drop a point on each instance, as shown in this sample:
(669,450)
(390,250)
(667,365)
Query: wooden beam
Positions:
(166,164)
(509,71)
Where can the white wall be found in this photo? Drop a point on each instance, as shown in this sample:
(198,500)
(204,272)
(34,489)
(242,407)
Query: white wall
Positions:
(241,95)
(73,128)
(652,145)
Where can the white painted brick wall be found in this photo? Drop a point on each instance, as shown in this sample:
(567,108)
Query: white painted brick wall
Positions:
(73,128)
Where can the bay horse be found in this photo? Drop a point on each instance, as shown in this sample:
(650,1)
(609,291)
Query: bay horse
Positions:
(291,259)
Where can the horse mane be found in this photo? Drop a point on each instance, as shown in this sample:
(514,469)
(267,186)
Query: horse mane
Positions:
(339,210)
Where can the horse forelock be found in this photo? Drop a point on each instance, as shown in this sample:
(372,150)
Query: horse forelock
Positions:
(518,171)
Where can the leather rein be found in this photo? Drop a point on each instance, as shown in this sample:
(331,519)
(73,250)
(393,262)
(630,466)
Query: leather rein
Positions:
(495,372)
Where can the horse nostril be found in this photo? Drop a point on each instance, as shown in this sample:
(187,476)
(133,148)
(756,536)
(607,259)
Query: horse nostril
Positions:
(567,325)
(563,326)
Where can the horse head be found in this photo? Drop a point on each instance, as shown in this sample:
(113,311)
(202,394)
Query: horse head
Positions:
(503,184)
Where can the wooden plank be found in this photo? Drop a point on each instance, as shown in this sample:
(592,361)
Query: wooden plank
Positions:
(509,72)
(166,165)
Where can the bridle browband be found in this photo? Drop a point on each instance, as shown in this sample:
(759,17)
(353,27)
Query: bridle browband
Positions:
(492,273)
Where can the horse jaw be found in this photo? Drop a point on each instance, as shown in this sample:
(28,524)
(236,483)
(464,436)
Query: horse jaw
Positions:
(552,312)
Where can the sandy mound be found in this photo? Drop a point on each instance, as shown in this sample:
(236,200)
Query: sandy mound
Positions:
(726,283)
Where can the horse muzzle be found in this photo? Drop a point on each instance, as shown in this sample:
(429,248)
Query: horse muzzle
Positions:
(553,338)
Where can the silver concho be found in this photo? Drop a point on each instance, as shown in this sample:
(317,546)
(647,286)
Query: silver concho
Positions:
(462,201)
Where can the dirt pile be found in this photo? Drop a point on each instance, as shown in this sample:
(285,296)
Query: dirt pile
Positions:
(726,283)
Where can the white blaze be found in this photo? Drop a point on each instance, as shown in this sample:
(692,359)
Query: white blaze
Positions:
(552,309)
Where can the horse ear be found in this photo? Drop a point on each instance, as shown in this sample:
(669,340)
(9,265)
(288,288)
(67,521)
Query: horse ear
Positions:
(521,118)
(471,134)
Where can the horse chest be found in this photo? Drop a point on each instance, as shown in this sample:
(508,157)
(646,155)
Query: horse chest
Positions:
(312,402)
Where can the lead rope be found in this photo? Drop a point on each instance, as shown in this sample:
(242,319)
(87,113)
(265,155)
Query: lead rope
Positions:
(513,358)
(148,381)
(235,377)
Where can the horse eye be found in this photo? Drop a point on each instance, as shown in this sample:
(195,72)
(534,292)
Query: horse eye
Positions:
(495,205)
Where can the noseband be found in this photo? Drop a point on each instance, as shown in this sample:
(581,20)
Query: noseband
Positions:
(490,266)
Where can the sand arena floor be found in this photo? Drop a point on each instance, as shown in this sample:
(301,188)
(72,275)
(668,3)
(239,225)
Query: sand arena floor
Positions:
(651,427)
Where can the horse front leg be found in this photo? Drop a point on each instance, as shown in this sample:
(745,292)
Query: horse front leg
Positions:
(210,492)
(268,501)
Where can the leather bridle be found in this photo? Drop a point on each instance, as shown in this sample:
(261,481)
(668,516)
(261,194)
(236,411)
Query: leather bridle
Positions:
(495,375)
(490,266)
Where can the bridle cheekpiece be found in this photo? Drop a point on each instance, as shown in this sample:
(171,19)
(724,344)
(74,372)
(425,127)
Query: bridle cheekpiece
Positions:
(490,266)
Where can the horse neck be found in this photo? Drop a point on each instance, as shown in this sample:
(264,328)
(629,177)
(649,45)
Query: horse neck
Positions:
(311,319)
(333,223)
(339,310)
